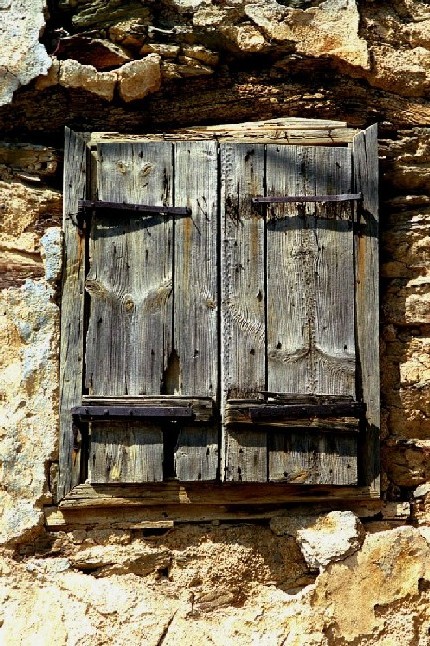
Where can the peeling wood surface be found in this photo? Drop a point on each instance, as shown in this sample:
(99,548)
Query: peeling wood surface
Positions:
(72,310)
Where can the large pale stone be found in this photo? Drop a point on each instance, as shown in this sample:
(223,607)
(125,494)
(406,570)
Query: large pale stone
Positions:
(22,56)
(76,75)
(403,71)
(28,404)
(330,29)
(329,538)
(139,78)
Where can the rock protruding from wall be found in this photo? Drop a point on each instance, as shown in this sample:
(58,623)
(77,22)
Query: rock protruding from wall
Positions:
(22,56)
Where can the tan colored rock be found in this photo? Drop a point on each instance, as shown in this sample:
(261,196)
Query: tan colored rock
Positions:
(407,302)
(139,78)
(162,49)
(406,244)
(246,37)
(202,54)
(22,56)
(407,462)
(332,537)
(129,33)
(86,77)
(28,404)
(406,72)
(26,211)
(364,594)
(330,29)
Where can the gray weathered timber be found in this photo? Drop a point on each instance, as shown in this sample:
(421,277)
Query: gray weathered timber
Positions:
(196,454)
(310,279)
(310,297)
(301,457)
(72,308)
(125,452)
(130,283)
(195,280)
(242,302)
(205,493)
(195,284)
(365,153)
(130,279)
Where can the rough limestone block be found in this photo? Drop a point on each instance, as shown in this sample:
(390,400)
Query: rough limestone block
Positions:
(22,56)
(139,78)
(330,29)
(29,321)
(74,74)
(52,252)
(325,538)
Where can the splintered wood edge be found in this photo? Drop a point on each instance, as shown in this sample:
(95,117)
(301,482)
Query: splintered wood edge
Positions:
(291,130)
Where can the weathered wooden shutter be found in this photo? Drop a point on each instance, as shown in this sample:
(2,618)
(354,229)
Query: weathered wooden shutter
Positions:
(288,323)
(152,328)
(230,323)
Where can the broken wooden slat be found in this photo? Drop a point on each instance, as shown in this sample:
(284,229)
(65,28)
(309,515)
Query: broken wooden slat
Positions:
(125,452)
(242,302)
(72,309)
(366,171)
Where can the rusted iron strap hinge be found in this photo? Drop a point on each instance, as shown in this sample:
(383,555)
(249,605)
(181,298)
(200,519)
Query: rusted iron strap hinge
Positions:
(88,206)
(104,413)
(342,197)
(297,411)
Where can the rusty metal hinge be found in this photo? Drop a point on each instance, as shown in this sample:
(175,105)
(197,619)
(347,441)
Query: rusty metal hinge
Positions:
(86,207)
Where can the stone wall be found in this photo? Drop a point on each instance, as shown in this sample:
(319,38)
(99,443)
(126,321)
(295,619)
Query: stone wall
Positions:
(311,576)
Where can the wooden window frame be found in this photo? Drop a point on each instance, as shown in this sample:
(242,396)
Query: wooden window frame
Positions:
(78,185)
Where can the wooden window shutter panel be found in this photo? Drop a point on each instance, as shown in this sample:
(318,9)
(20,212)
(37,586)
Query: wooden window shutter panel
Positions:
(233,304)
(306,270)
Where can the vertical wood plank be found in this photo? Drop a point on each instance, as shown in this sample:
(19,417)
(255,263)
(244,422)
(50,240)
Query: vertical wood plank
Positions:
(125,452)
(195,284)
(300,456)
(197,454)
(196,268)
(130,278)
(310,295)
(72,308)
(310,279)
(334,276)
(366,173)
(242,302)
(129,339)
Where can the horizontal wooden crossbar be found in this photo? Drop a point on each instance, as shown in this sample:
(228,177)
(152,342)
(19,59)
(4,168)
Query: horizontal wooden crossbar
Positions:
(106,413)
(342,197)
